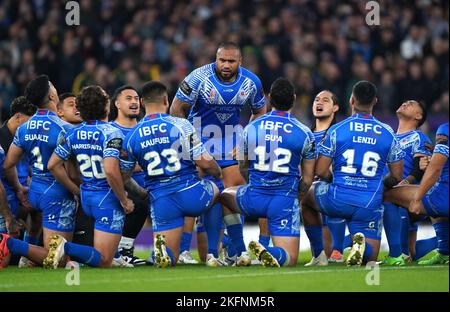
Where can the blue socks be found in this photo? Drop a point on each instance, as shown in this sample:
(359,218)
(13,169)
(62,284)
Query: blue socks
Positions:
(368,252)
(235,231)
(392,222)
(85,254)
(424,246)
(264,240)
(441,229)
(405,229)
(278,253)
(314,234)
(185,243)
(33,240)
(17,247)
(213,223)
(348,241)
(337,230)
(226,243)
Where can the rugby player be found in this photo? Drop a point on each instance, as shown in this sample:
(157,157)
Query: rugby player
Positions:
(168,149)
(430,198)
(275,147)
(96,146)
(125,106)
(359,148)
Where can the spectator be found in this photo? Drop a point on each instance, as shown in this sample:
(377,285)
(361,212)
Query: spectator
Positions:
(316,43)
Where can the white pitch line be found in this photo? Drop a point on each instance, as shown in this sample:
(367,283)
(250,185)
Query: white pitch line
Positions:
(240,275)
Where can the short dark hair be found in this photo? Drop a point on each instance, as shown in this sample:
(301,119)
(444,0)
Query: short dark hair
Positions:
(64,96)
(282,94)
(113,111)
(22,105)
(364,92)
(229,45)
(153,91)
(37,90)
(424,114)
(92,103)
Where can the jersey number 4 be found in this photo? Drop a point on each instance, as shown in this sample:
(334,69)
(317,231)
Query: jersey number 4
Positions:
(369,164)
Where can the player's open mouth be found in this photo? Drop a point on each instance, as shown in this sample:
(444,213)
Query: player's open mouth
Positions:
(77,113)
(134,107)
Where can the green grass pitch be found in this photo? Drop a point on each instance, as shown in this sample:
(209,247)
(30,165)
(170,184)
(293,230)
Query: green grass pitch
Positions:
(335,277)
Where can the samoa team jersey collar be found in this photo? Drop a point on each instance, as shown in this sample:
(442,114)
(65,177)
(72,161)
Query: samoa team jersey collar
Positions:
(115,124)
(363,115)
(228,84)
(153,116)
(94,122)
(45,112)
(279,113)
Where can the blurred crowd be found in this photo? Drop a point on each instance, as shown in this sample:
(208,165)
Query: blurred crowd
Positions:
(317,44)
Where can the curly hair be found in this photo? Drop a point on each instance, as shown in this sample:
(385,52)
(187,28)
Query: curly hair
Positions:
(92,103)
(37,90)
(22,105)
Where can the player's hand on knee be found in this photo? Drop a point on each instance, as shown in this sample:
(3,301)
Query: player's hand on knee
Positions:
(14,227)
(22,196)
(128,206)
(415,207)
(423,162)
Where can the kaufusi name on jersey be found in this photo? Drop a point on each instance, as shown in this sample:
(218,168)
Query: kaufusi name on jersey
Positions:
(152,130)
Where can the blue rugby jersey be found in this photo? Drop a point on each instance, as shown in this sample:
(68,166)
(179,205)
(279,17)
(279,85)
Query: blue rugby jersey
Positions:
(218,103)
(91,142)
(38,138)
(139,177)
(412,143)
(275,144)
(165,148)
(360,148)
(442,148)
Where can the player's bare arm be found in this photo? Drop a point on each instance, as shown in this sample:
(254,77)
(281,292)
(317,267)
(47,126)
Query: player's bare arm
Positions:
(307,170)
(179,108)
(243,167)
(322,169)
(430,178)
(13,157)
(395,174)
(417,172)
(114,178)
(56,167)
(258,112)
(131,185)
(73,170)
(4,207)
(208,165)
